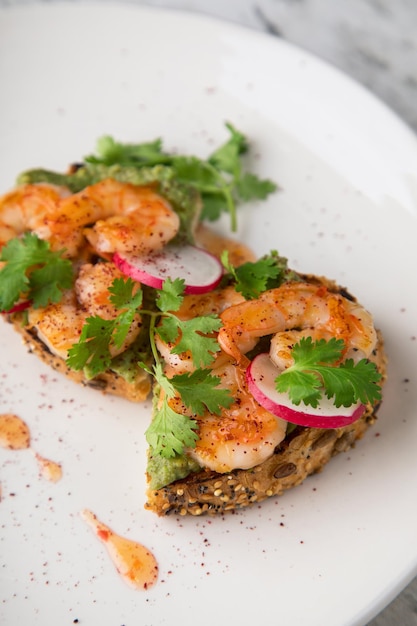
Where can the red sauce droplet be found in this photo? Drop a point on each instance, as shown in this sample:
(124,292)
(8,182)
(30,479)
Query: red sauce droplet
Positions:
(134,562)
(14,433)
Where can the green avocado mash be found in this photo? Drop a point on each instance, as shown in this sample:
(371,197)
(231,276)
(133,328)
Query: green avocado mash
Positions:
(163,471)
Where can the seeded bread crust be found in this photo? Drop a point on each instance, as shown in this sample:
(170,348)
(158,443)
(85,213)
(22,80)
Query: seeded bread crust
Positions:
(304,452)
(108,382)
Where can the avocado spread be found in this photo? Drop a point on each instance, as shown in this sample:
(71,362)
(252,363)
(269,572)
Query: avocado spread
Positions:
(164,471)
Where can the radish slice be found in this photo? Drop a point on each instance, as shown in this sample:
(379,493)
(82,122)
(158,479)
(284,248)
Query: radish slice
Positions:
(20,306)
(261,375)
(200,270)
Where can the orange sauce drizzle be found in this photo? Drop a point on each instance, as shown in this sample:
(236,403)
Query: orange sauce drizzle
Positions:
(15,435)
(50,470)
(134,562)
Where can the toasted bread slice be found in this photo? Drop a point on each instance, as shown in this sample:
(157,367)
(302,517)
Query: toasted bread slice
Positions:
(303,452)
(109,382)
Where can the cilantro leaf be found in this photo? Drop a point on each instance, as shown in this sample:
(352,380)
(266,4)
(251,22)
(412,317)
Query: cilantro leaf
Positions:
(124,294)
(195,171)
(316,371)
(309,353)
(170,432)
(93,348)
(170,296)
(213,206)
(110,152)
(359,381)
(251,187)
(192,336)
(33,270)
(164,382)
(47,283)
(199,391)
(123,297)
(303,386)
(253,278)
(226,157)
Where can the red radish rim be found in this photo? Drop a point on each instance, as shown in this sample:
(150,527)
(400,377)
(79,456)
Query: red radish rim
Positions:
(149,274)
(294,414)
(17,308)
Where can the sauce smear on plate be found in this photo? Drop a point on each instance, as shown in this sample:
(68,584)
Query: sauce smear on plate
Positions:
(14,433)
(134,562)
(50,470)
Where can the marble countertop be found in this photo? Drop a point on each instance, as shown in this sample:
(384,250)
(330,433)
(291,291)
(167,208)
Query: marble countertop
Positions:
(374,42)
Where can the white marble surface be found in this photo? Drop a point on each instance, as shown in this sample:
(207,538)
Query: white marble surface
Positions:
(374,42)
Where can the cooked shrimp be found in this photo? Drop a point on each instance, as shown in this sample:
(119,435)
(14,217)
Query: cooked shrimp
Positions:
(243,435)
(296,305)
(210,303)
(126,218)
(59,325)
(133,219)
(26,207)
(119,216)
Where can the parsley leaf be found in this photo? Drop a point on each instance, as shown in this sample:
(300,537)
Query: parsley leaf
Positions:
(34,271)
(315,371)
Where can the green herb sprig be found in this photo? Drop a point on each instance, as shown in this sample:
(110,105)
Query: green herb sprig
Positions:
(316,371)
(32,271)
(220,180)
(98,335)
(254,277)
(169,432)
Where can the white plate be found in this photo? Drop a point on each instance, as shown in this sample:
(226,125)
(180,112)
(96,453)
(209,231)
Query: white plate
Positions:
(334,550)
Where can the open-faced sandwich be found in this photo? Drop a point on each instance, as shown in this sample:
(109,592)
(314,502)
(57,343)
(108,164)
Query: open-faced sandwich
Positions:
(259,374)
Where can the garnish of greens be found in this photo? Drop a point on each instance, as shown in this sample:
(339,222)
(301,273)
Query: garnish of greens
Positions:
(317,370)
(254,277)
(220,180)
(170,432)
(219,183)
(31,269)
